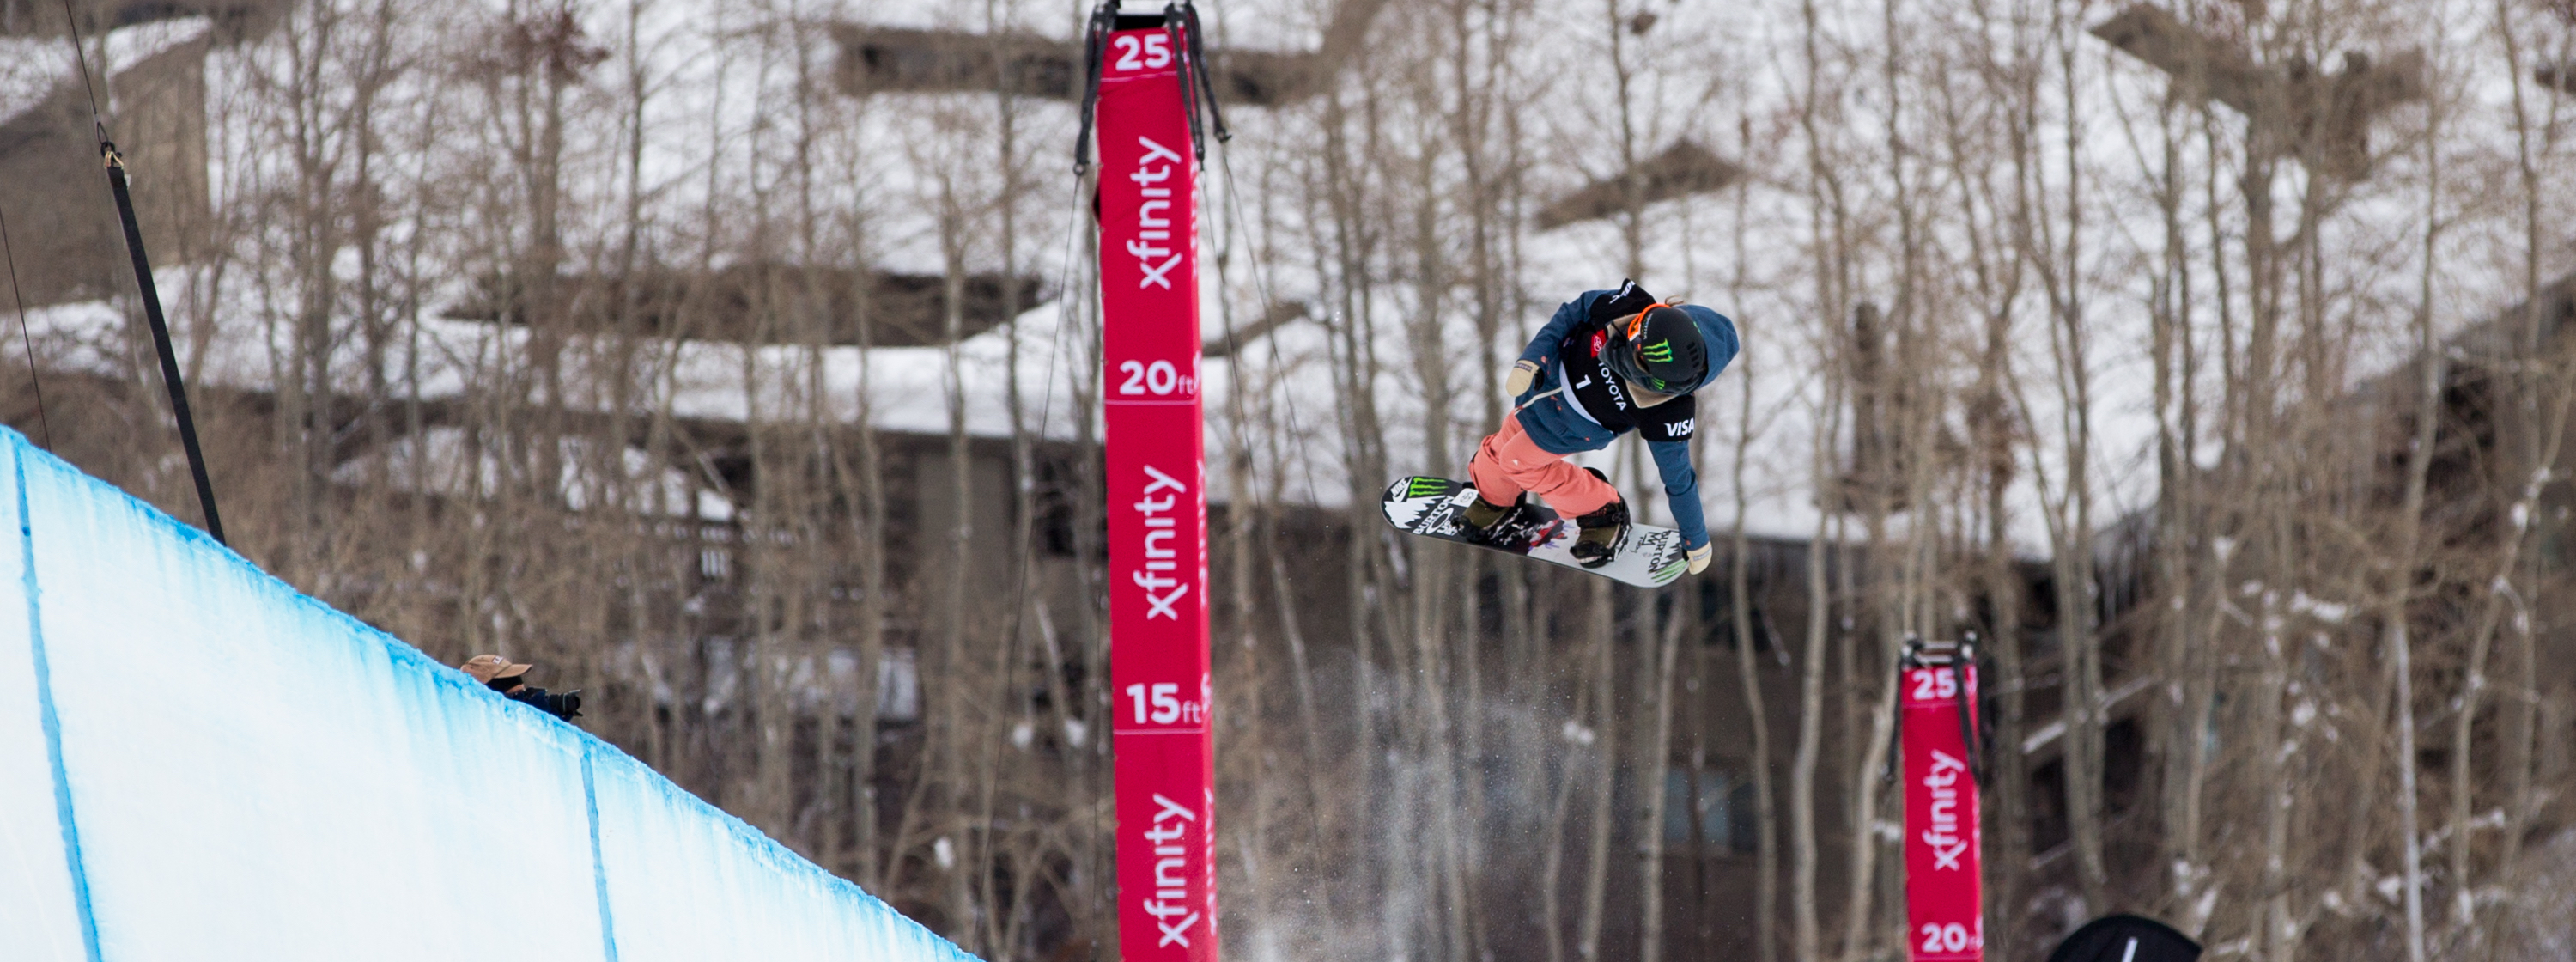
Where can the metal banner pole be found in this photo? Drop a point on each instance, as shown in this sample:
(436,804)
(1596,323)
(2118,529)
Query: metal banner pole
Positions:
(1154,460)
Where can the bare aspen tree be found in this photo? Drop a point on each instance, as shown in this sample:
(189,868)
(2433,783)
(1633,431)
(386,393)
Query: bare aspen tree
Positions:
(1602,675)
(1657,687)
(1831,247)
(2401,576)
(1766,880)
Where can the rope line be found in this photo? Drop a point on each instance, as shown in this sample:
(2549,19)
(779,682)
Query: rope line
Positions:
(1046,391)
(80,55)
(1064,320)
(25,338)
(1269,304)
(1096,29)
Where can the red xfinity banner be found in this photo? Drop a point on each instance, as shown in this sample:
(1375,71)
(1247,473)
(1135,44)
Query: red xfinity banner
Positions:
(1944,900)
(1158,616)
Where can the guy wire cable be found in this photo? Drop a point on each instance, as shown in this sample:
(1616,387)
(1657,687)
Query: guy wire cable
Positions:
(1269,305)
(170,377)
(11,254)
(1046,413)
(1095,39)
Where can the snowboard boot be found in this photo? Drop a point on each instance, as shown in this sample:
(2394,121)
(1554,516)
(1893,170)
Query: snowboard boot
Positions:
(1597,535)
(1485,521)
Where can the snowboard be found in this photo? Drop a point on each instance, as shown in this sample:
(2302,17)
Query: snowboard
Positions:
(1649,556)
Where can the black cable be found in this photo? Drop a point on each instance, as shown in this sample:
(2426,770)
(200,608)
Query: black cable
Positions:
(170,376)
(161,340)
(1175,28)
(1269,304)
(1206,80)
(1968,721)
(1095,43)
(1181,70)
(24,337)
(80,55)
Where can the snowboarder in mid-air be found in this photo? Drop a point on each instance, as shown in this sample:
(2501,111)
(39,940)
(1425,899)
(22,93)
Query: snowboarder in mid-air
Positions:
(1609,362)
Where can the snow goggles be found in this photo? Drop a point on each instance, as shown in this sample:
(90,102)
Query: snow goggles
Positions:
(1638,363)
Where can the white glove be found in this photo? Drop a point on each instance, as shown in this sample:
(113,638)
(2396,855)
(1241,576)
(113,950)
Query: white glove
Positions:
(1700,557)
(1518,380)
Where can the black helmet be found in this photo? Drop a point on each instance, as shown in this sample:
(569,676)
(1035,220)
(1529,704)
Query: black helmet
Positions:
(1658,349)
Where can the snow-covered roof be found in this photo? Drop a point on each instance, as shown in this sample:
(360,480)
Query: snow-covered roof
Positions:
(34,67)
(719,123)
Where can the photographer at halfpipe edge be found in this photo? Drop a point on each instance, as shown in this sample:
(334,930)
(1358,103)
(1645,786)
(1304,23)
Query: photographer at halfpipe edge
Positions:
(510,679)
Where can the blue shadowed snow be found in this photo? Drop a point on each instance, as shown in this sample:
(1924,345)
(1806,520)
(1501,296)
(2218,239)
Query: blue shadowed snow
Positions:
(196,762)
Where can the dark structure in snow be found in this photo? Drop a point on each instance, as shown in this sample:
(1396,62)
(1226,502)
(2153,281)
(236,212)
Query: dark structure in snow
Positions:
(1682,170)
(2322,118)
(879,60)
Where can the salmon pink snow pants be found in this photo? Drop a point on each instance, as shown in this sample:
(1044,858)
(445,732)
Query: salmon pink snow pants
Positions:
(1508,463)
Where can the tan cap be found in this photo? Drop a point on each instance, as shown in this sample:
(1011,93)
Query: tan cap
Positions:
(484,668)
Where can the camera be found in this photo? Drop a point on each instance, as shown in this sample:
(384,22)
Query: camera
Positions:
(566,706)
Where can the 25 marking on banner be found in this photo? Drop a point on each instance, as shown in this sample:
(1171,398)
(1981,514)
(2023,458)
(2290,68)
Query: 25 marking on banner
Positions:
(1931,684)
(1153,53)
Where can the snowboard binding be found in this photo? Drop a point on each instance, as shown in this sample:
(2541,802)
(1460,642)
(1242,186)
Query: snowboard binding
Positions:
(1508,526)
(1599,534)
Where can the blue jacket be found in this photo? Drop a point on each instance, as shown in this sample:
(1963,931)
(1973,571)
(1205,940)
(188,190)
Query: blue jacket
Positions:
(1547,412)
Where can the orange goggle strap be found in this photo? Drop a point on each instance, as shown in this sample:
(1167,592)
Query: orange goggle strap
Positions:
(1636,325)
(1637,322)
